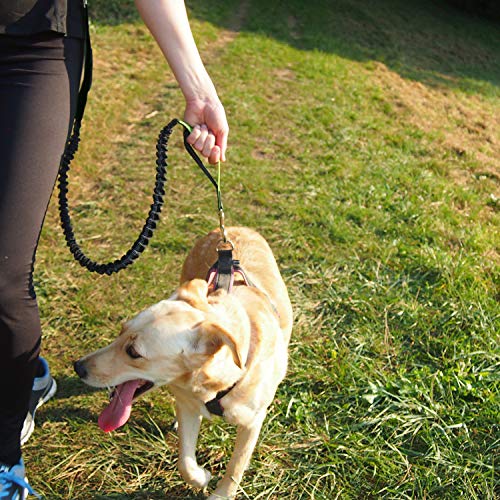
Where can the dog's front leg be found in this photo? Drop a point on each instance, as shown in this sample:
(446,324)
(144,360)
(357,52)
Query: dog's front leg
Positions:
(189,419)
(246,439)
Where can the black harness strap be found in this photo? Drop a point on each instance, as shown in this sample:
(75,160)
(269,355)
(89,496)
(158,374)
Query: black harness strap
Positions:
(224,276)
(214,406)
(223,271)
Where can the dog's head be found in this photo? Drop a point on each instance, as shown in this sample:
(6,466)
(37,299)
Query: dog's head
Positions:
(178,340)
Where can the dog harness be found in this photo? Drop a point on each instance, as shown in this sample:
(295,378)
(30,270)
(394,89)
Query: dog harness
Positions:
(214,406)
(221,275)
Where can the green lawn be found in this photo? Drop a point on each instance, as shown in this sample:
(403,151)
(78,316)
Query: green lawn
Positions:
(364,146)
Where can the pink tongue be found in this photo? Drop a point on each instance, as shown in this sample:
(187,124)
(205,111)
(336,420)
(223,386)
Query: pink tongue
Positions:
(118,411)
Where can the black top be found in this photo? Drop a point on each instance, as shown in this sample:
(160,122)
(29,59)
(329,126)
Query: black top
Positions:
(27,17)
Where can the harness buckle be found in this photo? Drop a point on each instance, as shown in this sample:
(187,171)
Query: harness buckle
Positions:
(224,244)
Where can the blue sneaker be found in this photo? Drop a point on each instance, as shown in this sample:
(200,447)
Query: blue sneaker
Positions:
(44,387)
(13,482)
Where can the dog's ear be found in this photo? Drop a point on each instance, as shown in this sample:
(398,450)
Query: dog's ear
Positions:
(213,336)
(194,292)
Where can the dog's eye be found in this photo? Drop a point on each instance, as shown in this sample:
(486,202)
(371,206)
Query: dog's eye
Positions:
(131,351)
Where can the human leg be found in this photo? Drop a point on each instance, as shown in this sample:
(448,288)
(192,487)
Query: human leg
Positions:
(39,78)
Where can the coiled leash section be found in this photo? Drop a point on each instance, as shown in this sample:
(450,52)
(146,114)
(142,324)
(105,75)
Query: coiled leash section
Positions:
(147,231)
(154,213)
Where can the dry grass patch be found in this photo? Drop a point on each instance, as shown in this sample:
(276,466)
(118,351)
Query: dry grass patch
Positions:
(465,124)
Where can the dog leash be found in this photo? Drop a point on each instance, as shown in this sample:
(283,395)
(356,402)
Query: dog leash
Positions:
(159,190)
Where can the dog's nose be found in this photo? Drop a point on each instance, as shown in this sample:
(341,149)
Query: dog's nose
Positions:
(80,369)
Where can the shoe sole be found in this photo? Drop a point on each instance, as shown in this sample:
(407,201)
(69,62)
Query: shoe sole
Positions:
(44,399)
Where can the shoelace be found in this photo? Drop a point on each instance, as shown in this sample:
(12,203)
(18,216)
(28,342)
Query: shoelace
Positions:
(8,477)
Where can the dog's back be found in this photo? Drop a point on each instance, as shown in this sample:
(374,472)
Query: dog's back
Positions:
(256,259)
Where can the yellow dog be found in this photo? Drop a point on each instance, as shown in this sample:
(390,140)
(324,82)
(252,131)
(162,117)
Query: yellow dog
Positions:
(218,352)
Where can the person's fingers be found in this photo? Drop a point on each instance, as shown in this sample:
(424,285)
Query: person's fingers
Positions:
(215,155)
(221,141)
(211,146)
(194,135)
(200,142)
(208,146)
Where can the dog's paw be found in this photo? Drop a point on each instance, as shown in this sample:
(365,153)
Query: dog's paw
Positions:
(224,491)
(216,496)
(198,478)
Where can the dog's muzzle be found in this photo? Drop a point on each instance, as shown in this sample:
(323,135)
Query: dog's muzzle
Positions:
(80,369)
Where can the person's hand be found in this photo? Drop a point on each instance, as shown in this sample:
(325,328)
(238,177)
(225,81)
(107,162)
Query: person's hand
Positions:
(210,128)
(168,22)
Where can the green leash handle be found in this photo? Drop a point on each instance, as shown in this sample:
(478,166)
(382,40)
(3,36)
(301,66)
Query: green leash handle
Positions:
(217,183)
(187,130)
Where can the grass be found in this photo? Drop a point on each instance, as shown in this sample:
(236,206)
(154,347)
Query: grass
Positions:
(365,147)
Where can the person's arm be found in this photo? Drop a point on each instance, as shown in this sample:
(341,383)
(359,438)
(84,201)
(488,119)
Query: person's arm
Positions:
(168,22)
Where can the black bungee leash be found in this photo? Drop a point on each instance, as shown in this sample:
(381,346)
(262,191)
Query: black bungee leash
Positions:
(159,190)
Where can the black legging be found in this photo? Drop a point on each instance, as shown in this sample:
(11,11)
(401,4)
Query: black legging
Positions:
(39,79)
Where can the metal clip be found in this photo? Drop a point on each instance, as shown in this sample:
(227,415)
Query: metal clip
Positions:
(224,243)
(221,226)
